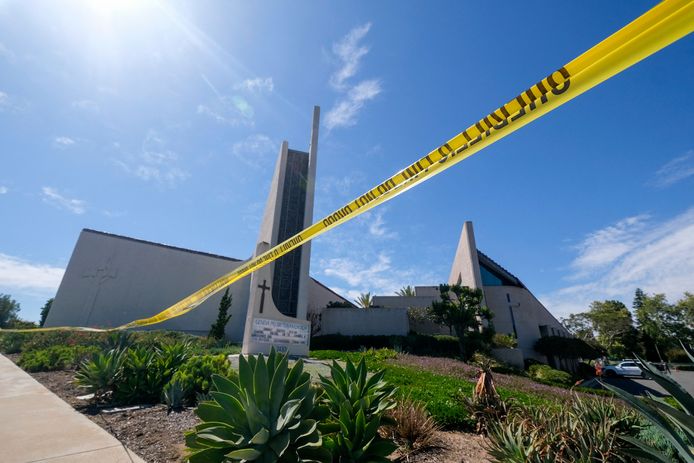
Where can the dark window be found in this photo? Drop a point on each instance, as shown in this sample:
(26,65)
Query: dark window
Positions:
(285,288)
(544,332)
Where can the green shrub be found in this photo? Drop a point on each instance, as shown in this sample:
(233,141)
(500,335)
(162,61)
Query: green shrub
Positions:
(507,341)
(55,358)
(46,339)
(417,344)
(567,347)
(264,416)
(141,377)
(548,375)
(195,375)
(11,343)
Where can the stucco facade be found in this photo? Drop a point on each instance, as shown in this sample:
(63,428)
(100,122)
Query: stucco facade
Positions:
(516,310)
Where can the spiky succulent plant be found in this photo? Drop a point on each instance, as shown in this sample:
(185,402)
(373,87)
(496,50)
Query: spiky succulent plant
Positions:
(357,402)
(263,417)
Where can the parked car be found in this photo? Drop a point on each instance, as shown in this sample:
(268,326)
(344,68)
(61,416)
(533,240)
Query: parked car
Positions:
(627,368)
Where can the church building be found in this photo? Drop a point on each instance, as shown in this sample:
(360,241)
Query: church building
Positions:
(112,279)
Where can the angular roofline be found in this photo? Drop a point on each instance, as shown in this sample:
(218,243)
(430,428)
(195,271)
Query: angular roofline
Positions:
(338,295)
(488,261)
(207,254)
(167,246)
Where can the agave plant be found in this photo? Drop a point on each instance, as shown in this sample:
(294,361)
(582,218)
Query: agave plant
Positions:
(486,406)
(141,380)
(174,395)
(356,403)
(584,430)
(99,374)
(676,425)
(264,417)
(119,341)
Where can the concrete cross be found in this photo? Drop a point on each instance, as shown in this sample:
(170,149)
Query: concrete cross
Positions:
(101,274)
(264,287)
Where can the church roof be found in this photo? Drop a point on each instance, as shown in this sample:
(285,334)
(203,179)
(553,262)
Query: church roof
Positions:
(167,246)
(495,267)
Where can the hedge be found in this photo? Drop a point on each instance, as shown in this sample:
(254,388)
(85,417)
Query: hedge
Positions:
(417,344)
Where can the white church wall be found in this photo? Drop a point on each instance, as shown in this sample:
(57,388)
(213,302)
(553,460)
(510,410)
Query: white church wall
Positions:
(393,302)
(111,280)
(369,322)
(319,296)
(529,315)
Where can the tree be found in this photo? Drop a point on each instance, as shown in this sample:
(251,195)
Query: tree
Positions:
(365,300)
(461,309)
(639,296)
(662,325)
(405,291)
(580,325)
(9,308)
(218,327)
(686,306)
(615,327)
(44,311)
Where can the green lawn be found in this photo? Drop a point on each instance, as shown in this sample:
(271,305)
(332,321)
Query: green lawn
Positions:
(442,394)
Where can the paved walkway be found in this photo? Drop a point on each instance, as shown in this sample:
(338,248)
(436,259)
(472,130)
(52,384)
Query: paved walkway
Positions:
(37,426)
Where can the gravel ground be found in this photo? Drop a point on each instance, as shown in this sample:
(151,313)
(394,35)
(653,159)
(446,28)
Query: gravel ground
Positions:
(150,432)
(158,437)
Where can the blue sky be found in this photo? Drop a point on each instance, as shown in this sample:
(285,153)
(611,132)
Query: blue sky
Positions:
(162,121)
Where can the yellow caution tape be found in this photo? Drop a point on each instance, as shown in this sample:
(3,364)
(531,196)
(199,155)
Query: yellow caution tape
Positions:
(664,24)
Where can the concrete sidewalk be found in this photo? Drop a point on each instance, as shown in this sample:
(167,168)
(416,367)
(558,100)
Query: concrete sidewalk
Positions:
(37,425)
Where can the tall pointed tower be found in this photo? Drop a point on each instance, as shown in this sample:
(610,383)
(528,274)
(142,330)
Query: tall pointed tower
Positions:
(279,291)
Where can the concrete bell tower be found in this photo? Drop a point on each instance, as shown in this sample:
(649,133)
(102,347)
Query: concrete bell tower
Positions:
(278,299)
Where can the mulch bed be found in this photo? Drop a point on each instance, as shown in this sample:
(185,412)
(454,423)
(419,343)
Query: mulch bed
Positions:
(157,436)
(150,432)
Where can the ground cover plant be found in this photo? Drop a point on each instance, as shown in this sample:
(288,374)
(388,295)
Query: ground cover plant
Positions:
(55,357)
(442,383)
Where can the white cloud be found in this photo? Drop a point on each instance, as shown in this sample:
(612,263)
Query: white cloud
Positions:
(9,103)
(374,273)
(344,186)
(3,190)
(604,246)
(6,53)
(257,85)
(255,150)
(377,224)
(54,198)
(675,170)
(638,252)
(346,110)
(349,52)
(63,142)
(86,105)
(155,162)
(20,274)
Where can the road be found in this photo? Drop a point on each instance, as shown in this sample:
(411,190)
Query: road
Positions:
(639,386)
